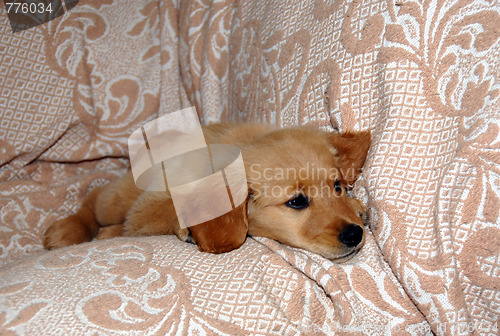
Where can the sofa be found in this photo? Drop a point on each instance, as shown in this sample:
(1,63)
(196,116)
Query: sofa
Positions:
(422,76)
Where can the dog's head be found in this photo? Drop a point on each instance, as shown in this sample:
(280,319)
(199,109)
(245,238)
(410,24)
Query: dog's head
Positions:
(299,181)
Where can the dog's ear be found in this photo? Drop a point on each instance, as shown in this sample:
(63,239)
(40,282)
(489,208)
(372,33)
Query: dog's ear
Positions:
(351,149)
(224,233)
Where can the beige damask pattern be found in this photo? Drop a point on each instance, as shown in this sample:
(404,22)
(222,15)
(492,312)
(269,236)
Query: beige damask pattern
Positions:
(423,76)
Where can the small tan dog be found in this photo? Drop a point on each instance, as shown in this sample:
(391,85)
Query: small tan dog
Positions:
(298,182)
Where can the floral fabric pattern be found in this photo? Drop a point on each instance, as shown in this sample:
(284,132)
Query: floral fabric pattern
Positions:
(423,76)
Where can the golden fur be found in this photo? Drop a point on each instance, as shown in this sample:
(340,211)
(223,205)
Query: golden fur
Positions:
(297,180)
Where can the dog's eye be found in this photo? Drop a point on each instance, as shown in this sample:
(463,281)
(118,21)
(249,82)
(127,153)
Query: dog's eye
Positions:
(298,202)
(338,187)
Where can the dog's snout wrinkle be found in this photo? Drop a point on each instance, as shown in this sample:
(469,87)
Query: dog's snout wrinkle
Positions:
(351,235)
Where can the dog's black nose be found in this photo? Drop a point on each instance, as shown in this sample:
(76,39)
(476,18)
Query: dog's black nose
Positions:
(351,235)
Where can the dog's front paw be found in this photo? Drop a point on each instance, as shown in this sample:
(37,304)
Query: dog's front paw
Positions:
(185,235)
(66,232)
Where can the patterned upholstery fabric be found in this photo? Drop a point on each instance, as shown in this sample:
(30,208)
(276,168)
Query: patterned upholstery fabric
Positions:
(423,76)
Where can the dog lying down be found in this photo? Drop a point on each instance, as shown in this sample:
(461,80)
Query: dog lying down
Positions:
(298,180)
